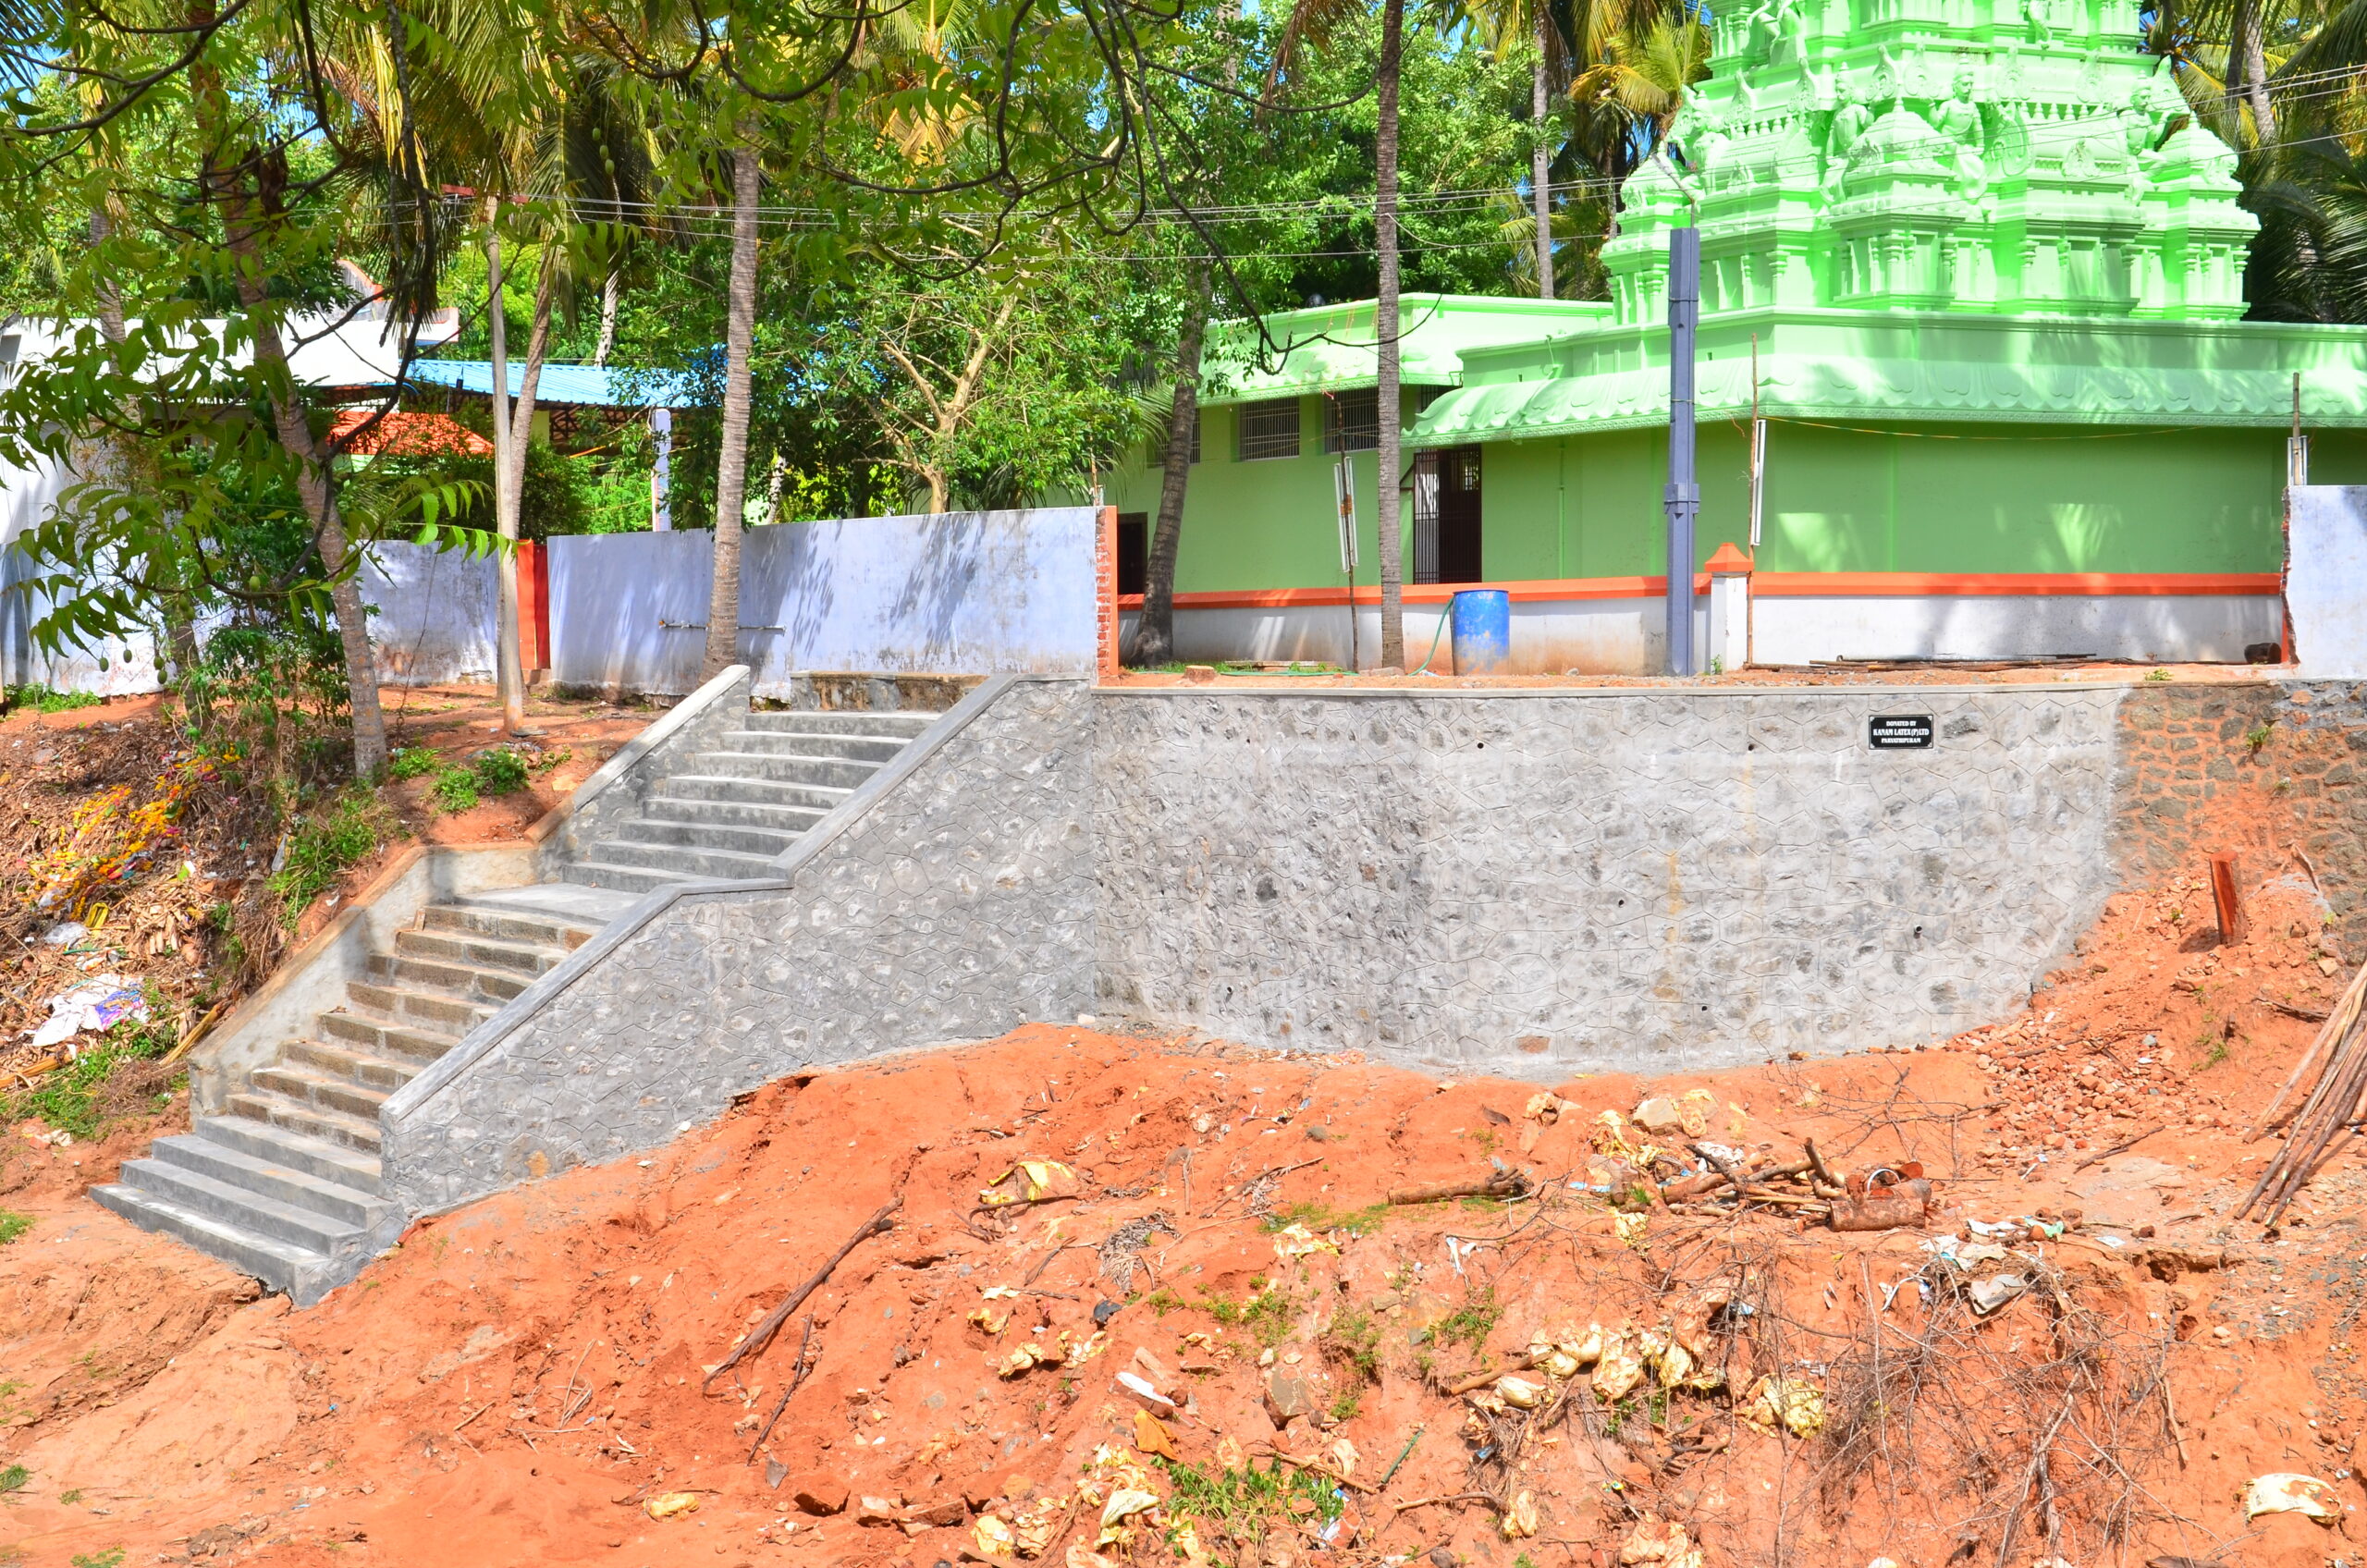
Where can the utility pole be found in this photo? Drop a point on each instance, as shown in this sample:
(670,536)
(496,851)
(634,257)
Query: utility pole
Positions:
(1683,494)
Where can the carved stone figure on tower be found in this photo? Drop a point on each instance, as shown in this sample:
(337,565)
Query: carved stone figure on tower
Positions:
(1959,119)
(1849,121)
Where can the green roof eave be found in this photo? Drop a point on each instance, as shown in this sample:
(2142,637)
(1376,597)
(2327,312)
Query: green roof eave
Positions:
(1331,347)
(2240,375)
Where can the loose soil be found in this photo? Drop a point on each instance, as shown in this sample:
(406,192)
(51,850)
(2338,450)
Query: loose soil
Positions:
(519,1379)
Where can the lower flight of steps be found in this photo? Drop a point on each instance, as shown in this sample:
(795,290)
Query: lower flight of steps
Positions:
(734,811)
(285,1186)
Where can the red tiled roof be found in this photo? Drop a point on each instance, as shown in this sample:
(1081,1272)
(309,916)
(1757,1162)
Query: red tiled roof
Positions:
(405,436)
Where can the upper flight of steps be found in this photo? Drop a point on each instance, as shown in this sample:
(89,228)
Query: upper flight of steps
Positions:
(284,1187)
(731,812)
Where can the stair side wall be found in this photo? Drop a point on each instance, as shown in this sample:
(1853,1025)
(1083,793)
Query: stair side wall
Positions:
(615,794)
(312,980)
(958,906)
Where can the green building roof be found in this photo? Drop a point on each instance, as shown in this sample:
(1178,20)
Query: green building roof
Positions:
(1331,347)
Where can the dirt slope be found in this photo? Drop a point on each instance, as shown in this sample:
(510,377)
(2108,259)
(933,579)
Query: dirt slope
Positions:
(521,1380)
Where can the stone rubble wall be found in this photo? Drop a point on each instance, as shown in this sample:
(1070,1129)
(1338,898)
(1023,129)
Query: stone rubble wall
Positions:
(1538,884)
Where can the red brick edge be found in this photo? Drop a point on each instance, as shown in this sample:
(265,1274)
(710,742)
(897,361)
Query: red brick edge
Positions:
(1104,593)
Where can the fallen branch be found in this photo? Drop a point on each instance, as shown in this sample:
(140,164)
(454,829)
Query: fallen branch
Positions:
(762,1335)
(1521,1363)
(1449,1497)
(795,1378)
(1501,1184)
(1323,1470)
(2121,1147)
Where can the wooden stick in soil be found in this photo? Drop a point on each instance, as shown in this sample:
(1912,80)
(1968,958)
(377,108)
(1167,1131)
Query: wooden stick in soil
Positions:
(1502,1184)
(762,1335)
(795,1378)
(2338,1021)
(2121,1147)
(1816,1162)
(2330,1105)
(1520,1363)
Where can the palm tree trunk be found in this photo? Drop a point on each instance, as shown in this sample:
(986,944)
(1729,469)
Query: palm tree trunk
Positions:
(1393,55)
(1154,632)
(1540,157)
(732,465)
(2247,53)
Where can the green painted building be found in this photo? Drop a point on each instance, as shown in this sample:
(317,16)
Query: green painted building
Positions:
(1976,267)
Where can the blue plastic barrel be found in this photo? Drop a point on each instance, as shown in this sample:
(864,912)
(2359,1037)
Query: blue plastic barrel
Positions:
(1483,630)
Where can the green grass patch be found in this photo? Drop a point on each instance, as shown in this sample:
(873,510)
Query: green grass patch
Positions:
(13,1225)
(1319,1217)
(340,833)
(500,771)
(12,1479)
(455,790)
(413,762)
(85,1096)
(1471,1323)
(1269,1314)
(111,1558)
(1354,1340)
(1244,1503)
(44,699)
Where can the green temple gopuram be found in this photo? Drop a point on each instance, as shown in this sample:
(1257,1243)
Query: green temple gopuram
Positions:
(1978,266)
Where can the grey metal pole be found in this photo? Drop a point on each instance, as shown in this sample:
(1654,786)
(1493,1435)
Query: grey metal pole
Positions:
(1684,496)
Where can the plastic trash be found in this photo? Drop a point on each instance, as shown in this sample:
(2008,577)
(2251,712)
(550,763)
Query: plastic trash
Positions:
(99,1003)
(2286,1491)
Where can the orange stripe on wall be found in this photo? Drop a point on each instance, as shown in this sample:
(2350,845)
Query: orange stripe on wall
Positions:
(1784,584)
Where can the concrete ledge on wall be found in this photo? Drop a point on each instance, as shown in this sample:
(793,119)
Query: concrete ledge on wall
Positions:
(822,690)
(312,979)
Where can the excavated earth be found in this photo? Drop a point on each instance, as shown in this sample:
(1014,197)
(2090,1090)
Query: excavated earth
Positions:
(1215,1276)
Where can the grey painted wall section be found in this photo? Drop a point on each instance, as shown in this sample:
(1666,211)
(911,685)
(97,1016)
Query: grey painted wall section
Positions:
(959,904)
(1538,884)
(2326,579)
(433,613)
(958,592)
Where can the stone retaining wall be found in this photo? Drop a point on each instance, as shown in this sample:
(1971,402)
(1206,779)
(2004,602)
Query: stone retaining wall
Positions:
(1536,884)
(1525,882)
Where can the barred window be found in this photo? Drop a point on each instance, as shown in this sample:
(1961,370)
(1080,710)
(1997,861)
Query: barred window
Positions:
(1267,430)
(1352,421)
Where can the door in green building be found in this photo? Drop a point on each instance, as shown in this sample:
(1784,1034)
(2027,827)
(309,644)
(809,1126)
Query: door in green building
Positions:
(1458,524)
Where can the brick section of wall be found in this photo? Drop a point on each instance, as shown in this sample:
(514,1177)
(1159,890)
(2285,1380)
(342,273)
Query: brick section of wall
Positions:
(1104,593)
(961,905)
(2192,780)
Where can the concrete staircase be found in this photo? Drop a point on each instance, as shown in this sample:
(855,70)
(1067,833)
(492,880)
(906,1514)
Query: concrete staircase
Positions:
(284,1187)
(731,811)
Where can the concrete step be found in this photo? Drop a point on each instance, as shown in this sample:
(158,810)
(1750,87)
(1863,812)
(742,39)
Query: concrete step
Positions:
(365,1069)
(742,789)
(509,924)
(311,1086)
(466,980)
(340,1163)
(841,773)
(807,743)
(311,1120)
(786,821)
(387,1036)
(666,828)
(842,721)
(621,879)
(235,1203)
(281,1183)
(683,859)
(478,950)
(305,1275)
(439,1010)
